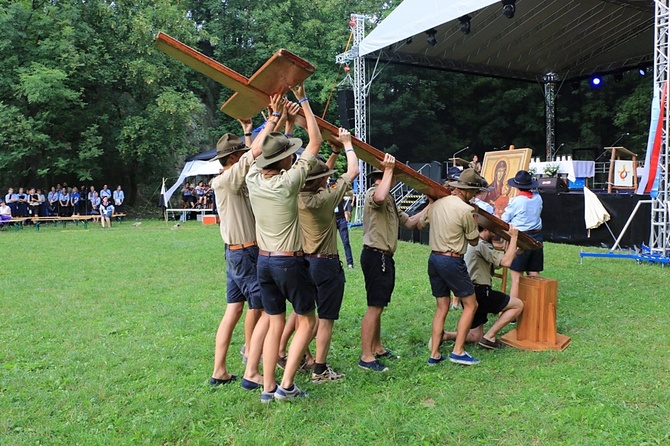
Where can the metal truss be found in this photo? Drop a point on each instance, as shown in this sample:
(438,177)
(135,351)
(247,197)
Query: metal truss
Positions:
(659,242)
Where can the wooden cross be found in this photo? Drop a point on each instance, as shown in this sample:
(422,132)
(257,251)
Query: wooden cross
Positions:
(284,70)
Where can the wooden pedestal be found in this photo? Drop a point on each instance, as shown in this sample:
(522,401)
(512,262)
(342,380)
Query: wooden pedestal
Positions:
(536,326)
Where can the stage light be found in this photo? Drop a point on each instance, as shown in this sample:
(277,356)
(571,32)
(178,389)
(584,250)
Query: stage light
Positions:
(432,41)
(465,24)
(642,71)
(596,81)
(509,7)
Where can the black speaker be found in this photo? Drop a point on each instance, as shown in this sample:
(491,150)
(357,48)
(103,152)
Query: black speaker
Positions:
(345,108)
(552,185)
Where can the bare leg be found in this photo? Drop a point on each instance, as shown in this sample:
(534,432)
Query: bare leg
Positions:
(324,335)
(304,327)
(370,333)
(514,289)
(270,349)
(256,348)
(289,328)
(250,320)
(509,313)
(438,325)
(223,335)
(464,322)
(474,335)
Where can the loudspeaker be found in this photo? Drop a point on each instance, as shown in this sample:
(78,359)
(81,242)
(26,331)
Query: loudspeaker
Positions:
(345,108)
(552,185)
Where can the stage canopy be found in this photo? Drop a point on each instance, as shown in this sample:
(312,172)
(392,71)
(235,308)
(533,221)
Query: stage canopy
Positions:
(571,38)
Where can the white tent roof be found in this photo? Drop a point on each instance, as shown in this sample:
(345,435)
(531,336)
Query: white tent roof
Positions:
(414,16)
(192,169)
(572,38)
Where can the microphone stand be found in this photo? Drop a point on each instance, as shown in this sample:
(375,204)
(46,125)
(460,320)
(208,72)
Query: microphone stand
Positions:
(553,158)
(454,155)
(612,145)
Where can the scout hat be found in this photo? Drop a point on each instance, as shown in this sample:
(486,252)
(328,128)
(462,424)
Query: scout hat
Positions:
(469,179)
(375,173)
(276,146)
(523,180)
(319,170)
(227,145)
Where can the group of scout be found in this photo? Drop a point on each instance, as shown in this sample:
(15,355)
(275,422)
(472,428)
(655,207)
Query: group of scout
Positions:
(278,226)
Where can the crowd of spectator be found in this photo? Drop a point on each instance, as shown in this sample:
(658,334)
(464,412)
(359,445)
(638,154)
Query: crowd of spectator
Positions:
(59,201)
(197,197)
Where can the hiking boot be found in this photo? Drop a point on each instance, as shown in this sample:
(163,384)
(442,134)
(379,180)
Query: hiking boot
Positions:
(327,376)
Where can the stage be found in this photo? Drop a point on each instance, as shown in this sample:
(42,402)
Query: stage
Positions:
(563,220)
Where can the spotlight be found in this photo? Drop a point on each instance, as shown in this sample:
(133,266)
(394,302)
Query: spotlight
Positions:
(642,71)
(465,24)
(431,37)
(509,7)
(596,81)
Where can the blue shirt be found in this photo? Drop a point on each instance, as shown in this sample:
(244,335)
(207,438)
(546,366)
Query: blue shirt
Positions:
(524,212)
(483,205)
(105,193)
(118,196)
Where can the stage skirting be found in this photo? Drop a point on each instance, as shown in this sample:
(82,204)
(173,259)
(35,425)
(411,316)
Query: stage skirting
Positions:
(563,221)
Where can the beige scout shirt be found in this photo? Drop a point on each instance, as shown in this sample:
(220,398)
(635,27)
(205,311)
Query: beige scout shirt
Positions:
(479,260)
(451,225)
(317,217)
(232,202)
(275,205)
(381,221)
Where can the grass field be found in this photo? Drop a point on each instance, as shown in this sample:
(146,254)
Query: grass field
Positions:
(107,338)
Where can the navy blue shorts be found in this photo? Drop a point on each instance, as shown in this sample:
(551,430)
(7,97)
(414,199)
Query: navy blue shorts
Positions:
(449,274)
(489,301)
(379,272)
(531,260)
(282,279)
(242,278)
(328,277)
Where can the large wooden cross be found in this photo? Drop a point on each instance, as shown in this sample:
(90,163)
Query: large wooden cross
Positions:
(284,70)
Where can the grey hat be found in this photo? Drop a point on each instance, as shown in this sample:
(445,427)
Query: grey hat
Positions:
(319,170)
(469,179)
(227,145)
(276,146)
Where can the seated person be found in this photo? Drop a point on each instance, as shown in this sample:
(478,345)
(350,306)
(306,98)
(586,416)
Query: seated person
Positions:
(200,193)
(5,213)
(187,197)
(95,205)
(64,203)
(21,203)
(480,260)
(33,203)
(75,201)
(106,212)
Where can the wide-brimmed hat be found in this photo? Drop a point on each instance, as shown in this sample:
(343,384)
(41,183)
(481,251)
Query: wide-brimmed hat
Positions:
(276,146)
(319,170)
(523,180)
(375,173)
(469,179)
(227,145)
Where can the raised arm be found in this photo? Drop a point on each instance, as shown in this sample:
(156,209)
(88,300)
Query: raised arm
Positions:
(510,252)
(387,179)
(276,108)
(247,126)
(315,138)
(292,109)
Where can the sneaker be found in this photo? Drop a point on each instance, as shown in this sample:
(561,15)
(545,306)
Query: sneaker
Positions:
(327,376)
(250,385)
(464,359)
(283,394)
(491,345)
(268,397)
(281,362)
(388,354)
(433,361)
(374,366)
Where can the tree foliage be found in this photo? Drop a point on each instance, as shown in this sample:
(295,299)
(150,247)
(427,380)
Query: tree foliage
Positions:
(85,97)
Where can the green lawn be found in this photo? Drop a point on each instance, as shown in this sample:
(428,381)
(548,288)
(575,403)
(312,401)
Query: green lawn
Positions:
(107,338)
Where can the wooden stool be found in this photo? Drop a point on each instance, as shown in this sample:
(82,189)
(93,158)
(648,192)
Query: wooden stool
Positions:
(536,326)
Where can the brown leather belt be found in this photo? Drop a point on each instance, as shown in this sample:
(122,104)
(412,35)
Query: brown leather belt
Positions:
(241,246)
(448,253)
(322,256)
(386,253)
(280,253)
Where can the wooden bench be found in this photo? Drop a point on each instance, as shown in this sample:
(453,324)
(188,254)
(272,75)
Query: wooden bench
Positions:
(16,222)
